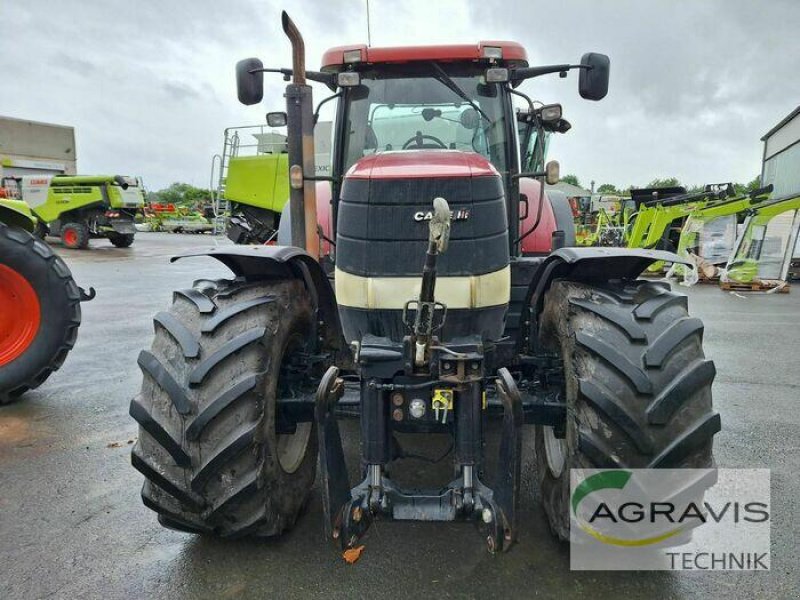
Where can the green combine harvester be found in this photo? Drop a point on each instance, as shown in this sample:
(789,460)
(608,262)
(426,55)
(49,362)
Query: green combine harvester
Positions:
(253,184)
(79,208)
(39,304)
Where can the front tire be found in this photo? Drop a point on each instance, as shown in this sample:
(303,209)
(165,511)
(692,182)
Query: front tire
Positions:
(636,384)
(208,447)
(39,312)
(121,240)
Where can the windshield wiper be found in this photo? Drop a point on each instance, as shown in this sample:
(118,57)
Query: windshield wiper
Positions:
(446,80)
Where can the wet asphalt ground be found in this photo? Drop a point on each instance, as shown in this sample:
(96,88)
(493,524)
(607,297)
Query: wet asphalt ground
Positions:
(72,524)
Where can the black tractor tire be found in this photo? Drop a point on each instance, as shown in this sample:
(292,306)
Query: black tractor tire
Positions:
(636,383)
(59,299)
(121,240)
(207,446)
(75,236)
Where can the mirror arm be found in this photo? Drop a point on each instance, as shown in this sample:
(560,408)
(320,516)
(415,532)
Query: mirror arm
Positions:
(328,79)
(517,75)
(532,174)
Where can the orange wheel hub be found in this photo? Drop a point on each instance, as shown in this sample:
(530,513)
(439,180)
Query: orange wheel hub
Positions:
(71,237)
(20,315)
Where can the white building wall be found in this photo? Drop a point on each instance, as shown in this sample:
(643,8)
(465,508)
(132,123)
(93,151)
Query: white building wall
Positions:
(30,147)
(781,165)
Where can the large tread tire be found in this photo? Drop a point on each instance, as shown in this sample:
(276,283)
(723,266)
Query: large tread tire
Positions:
(207,442)
(59,306)
(121,240)
(637,384)
(75,236)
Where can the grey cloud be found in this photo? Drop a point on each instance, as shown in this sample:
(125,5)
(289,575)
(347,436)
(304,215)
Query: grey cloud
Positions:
(149,84)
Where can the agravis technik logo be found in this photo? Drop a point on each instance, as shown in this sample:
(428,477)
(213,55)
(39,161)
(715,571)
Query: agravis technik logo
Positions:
(634,518)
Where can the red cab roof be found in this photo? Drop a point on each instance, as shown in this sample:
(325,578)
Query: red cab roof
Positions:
(512,52)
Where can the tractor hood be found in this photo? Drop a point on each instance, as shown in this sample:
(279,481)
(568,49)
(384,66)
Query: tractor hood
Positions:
(412,164)
(386,201)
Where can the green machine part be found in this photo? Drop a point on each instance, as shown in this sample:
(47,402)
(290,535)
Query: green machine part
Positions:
(17,213)
(715,211)
(746,261)
(261,181)
(651,222)
(51,197)
(707,214)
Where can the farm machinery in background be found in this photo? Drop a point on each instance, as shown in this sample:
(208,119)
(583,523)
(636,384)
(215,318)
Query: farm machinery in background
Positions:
(705,229)
(444,290)
(39,303)
(177,219)
(602,220)
(80,208)
(765,254)
(251,178)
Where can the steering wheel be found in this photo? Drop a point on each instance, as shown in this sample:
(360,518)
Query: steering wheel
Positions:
(418,142)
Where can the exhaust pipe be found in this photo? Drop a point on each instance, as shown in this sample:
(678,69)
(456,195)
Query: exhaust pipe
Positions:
(298,49)
(300,129)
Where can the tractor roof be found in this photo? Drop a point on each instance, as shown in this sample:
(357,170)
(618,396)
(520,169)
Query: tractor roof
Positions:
(510,53)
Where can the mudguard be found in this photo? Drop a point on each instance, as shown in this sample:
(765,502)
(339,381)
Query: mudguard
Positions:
(254,263)
(17,213)
(590,265)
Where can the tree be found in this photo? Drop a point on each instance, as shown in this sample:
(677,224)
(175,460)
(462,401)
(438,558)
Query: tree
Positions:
(754,184)
(183,194)
(571,179)
(667,182)
(743,188)
(607,188)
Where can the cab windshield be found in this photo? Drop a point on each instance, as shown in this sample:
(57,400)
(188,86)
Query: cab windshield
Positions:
(420,110)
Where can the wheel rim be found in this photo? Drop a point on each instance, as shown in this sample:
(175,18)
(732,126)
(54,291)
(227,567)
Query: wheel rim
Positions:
(71,237)
(20,315)
(292,446)
(555,451)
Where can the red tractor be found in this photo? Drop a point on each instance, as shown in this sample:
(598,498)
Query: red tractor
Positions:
(436,290)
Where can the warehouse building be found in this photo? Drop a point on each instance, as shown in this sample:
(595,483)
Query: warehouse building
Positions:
(781,165)
(33,148)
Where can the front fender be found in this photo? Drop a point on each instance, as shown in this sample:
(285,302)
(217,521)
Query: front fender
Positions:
(254,263)
(589,264)
(18,214)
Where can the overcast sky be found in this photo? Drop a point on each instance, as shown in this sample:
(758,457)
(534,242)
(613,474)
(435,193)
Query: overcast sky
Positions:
(149,85)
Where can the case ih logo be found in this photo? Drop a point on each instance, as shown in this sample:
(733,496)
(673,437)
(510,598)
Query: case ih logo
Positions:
(455,215)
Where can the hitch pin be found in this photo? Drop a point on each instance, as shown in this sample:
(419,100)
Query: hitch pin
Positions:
(444,415)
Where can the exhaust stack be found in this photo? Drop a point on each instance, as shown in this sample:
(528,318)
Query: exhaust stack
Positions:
(300,129)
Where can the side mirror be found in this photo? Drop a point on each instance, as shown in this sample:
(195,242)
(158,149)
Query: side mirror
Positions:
(249,81)
(277,119)
(469,119)
(593,80)
(552,172)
